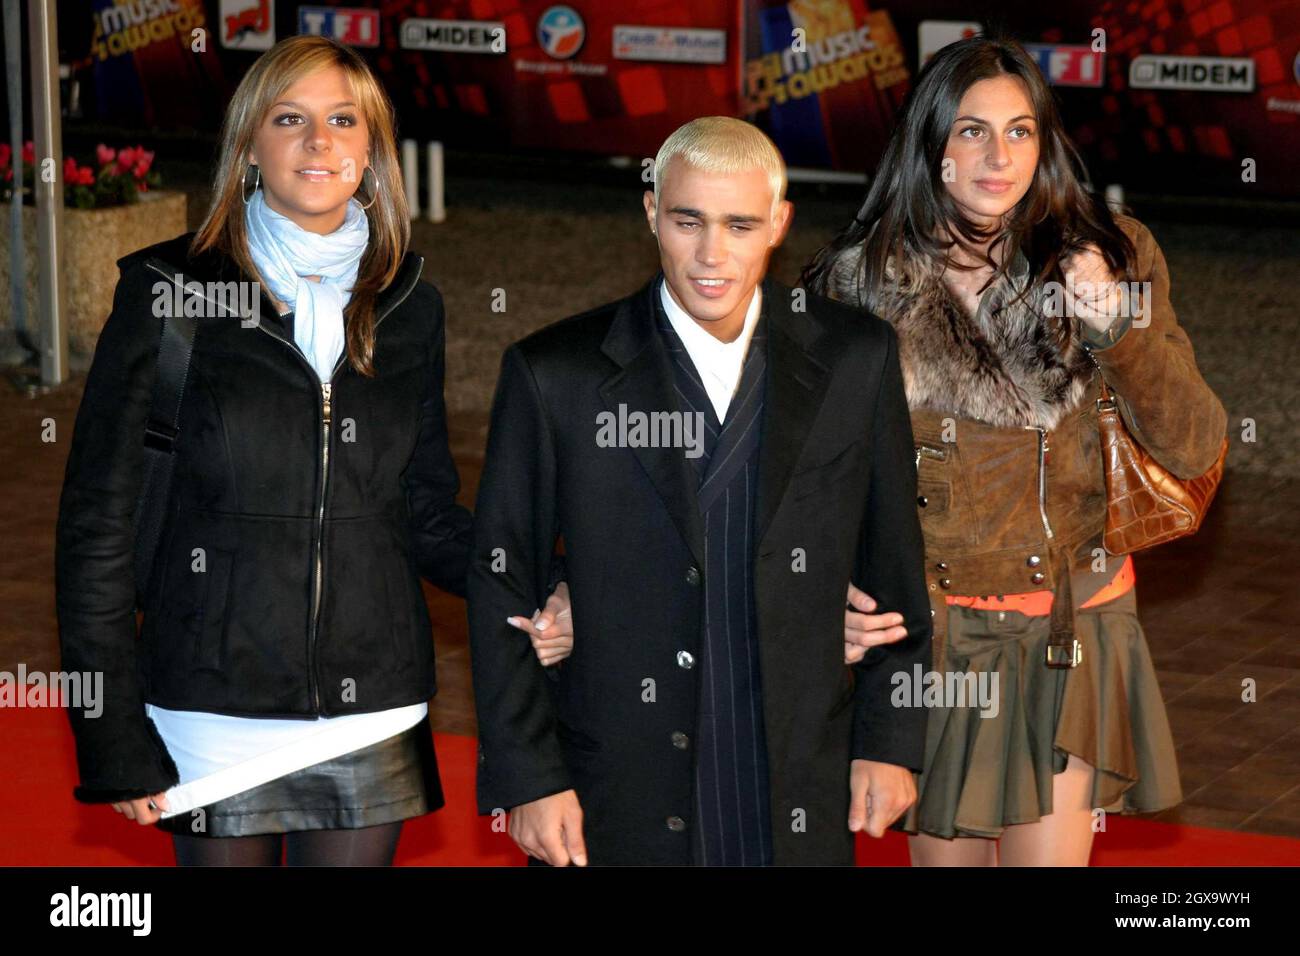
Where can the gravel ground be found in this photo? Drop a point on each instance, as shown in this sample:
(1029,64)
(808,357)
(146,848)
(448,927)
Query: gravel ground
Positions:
(557,248)
(561,237)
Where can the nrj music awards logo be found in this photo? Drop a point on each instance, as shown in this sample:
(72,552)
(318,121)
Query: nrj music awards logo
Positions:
(561,32)
(122,27)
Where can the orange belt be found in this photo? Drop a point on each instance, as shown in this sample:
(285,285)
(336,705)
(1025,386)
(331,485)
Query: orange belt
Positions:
(1035,603)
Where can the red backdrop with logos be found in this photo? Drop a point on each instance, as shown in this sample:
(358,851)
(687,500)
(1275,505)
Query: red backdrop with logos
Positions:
(824,77)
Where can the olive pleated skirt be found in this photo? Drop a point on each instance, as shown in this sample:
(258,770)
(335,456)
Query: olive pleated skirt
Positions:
(982,774)
(394,779)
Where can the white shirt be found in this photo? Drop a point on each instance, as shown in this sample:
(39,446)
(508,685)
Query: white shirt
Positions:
(719,363)
(218,756)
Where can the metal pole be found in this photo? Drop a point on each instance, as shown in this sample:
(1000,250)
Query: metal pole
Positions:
(411,176)
(13,19)
(42,33)
(437,182)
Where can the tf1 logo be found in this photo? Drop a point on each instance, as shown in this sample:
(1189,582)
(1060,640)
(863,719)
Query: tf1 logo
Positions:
(355,26)
(1068,64)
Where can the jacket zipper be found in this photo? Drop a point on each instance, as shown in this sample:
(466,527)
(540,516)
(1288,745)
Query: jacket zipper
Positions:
(326,389)
(929,451)
(1042,477)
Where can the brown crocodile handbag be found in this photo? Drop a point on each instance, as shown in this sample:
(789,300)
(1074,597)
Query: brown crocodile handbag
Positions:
(1146,504)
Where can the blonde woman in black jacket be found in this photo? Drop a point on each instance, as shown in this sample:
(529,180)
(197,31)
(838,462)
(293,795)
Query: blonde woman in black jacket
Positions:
(281,679)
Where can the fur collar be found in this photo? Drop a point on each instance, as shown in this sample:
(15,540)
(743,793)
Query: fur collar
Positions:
(1001,366)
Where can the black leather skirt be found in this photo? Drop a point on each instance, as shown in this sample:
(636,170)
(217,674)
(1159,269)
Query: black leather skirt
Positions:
(394,779)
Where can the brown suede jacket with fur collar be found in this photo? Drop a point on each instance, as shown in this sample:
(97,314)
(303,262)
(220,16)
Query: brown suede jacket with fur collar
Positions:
(1010,481)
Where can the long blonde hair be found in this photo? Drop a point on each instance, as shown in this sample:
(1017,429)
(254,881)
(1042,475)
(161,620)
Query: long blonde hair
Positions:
(266,81)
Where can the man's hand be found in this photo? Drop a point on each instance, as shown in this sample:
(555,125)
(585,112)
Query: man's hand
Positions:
(863,630)
(140,810)
(550,629)
(551,829)
(878,795)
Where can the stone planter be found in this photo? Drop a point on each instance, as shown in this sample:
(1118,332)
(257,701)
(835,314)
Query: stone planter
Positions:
(93,241)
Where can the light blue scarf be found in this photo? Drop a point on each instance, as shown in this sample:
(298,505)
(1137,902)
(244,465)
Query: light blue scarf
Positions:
(285,253)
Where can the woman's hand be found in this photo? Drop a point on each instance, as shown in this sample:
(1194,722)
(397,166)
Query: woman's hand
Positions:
(551,629)
(1092,291)
(863,629)
(145,810)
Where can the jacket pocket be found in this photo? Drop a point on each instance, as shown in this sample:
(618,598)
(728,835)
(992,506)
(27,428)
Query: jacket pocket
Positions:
(575,739)
(933,497)
(846,696)
(809,481)
(403,614)
(209,644)
(947,518)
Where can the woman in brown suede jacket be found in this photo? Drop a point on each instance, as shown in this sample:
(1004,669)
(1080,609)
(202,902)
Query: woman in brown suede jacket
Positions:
(1009,286)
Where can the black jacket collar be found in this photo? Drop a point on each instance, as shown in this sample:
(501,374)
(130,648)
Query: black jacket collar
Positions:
(797,376)
(173,257)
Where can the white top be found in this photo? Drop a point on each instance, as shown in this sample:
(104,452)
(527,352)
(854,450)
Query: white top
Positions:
(218,756)
(719,363)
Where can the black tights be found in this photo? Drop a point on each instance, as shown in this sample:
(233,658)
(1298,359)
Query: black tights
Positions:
(367,846)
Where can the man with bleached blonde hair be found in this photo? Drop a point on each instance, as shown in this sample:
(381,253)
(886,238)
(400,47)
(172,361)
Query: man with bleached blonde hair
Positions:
(721,455)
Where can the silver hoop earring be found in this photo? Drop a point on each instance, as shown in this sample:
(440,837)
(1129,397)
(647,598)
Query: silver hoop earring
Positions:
(248,194)
(374,193)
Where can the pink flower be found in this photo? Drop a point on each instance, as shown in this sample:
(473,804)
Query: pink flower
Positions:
(29,152)
(104,155)
(125,159)
(85,176)
(69,170)
(6,154)
(141,168)
(144,161)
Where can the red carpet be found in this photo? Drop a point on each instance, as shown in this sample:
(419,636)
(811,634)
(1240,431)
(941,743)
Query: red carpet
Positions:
(42,825)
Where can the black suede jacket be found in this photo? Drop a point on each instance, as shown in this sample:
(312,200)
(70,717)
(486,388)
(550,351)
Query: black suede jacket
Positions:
(302,514)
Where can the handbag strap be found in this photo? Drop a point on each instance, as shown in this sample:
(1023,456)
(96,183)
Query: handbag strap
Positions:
(175,347)
(1106,395)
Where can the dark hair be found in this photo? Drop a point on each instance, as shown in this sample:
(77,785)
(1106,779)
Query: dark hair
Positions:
(907,205)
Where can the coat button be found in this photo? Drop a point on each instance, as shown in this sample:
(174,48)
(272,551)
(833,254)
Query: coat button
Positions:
(1034,561)
(922,500)
(680,740)
(692,575)
(676,824)
(945,583)
(942,566)
(685,660)
(1038,577)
